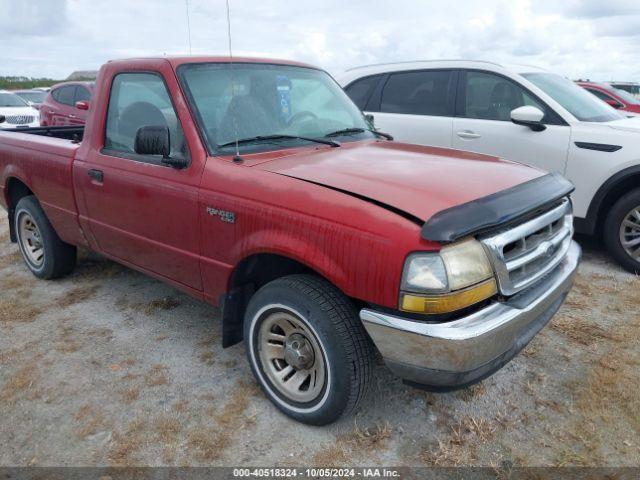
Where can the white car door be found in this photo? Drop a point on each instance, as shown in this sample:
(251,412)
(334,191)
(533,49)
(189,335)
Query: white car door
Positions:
(415,107)
(483,123)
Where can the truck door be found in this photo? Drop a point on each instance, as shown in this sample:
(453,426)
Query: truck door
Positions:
(483,123)
(140,210)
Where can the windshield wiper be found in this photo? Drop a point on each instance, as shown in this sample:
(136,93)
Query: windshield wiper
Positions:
(356,130)
(265,138)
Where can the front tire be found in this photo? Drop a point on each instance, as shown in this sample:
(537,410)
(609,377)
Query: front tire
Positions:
(45,254)
(307,348)
(622,231)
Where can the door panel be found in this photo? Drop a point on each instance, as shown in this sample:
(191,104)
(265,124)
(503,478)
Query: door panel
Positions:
(418,129)
(546,150)
(483,124)
(138,209)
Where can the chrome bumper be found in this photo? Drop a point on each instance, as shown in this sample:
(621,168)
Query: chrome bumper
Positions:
(458,353)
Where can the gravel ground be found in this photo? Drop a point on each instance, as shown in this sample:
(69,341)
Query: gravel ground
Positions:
(109,367)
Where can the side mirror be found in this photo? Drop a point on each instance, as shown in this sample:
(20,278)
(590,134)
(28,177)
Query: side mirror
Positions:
(370,119)
(529,116)
(155,140)
(82,105)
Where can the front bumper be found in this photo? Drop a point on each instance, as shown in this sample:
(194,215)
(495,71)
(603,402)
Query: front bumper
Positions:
(456,354)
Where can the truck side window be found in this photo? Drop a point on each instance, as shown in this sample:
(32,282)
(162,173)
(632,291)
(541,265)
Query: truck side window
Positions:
(492,97)
(138,100)
(426,92)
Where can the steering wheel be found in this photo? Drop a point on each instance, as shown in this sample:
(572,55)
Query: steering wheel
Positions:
(304,113)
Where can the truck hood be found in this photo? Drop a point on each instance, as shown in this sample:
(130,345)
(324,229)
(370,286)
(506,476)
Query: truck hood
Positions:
(420,181)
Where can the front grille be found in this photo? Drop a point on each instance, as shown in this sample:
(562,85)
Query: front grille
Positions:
(20,119)
(523,254)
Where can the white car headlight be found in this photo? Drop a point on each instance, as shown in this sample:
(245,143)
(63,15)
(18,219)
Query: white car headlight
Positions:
(456,277)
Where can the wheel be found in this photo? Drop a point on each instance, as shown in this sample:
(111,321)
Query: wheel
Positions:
(622,231)
(44,253)
(308,348)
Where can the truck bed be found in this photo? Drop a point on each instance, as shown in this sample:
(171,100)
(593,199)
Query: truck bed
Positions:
(74,133)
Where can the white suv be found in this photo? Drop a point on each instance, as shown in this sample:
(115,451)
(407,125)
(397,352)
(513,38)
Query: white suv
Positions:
(520,113)
(16,112)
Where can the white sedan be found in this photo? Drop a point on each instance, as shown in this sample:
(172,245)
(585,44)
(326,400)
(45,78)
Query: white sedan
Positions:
(16,112)
(520,113)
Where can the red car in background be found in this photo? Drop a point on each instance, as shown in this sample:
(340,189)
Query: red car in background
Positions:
(618,99)
(66,104)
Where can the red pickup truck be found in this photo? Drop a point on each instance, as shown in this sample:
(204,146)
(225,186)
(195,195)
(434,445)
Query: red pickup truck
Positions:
(257,185)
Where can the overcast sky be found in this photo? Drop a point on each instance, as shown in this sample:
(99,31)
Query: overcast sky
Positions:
(598,39)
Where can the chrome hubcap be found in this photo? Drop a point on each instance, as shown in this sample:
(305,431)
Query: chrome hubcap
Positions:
(31,240)
(291,357)
(630,233)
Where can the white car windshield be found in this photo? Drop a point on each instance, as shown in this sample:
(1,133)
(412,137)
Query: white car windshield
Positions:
(576,100)
(294,104)
(11,100)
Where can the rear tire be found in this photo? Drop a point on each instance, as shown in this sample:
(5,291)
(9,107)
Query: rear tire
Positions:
(622,231)
(45,254)
(308,348)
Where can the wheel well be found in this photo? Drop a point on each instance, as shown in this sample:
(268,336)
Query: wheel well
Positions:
(249,276)
(16,190)
(619,189)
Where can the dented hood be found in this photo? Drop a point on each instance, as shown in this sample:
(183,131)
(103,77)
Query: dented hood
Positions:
(420,181)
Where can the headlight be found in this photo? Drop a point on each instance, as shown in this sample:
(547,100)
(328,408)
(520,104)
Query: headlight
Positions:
(456,277)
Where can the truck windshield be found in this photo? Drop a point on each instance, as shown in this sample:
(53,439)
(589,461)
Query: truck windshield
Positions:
(269,106)
(11,100)
(576,100)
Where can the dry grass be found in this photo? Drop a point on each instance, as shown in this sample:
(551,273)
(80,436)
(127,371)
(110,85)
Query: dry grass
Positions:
(125,446)
(207,357)
(208,442)
(77,295)
(24,379)
(10,259)
(358,443)
(460,446)
(167,429)
(473,392)
(91,421)
(156,376)
(15,309)
(181,406)
(17,282)
(130,395)
(581,330)
(160,304)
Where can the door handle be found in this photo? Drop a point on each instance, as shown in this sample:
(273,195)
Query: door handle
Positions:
(468,134)
(97,175)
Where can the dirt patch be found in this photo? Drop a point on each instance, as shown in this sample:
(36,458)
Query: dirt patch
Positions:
(77,295)
(16,309)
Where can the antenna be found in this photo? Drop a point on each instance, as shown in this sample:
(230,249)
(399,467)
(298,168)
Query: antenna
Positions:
(237,158)
(188,25)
